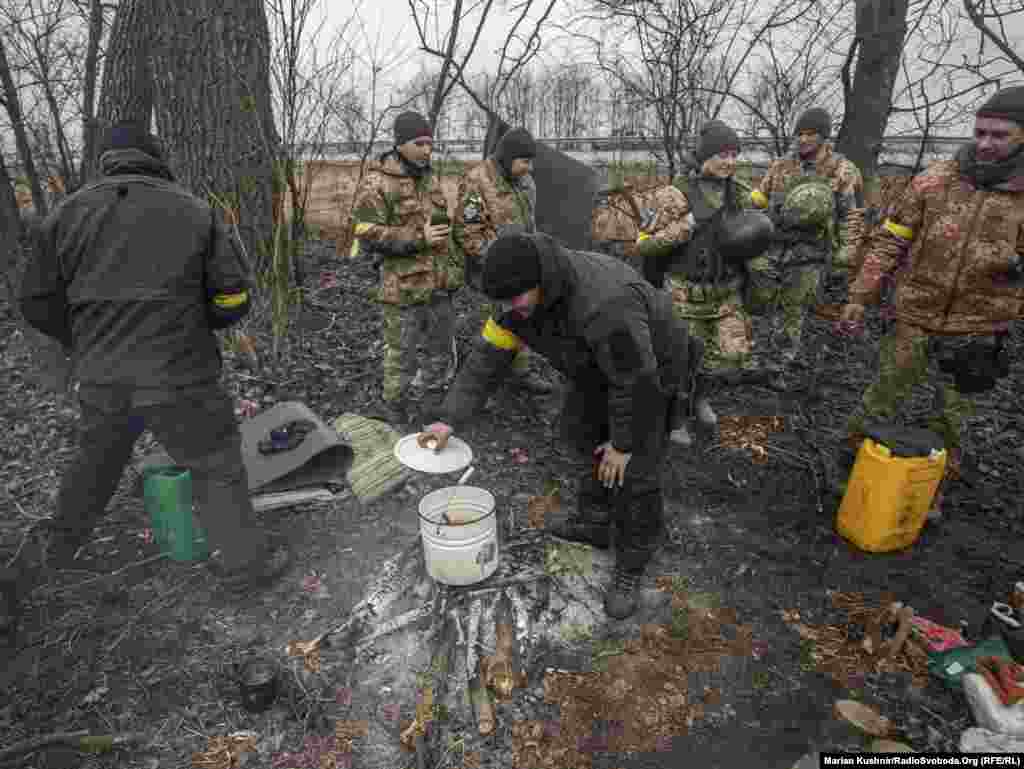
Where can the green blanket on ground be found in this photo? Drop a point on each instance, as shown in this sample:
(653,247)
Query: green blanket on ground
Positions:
(375,469)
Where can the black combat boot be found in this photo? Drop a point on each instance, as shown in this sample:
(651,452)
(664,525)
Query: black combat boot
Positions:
(620,600)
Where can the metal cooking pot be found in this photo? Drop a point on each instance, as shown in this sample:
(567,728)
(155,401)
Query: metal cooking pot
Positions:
(744,235)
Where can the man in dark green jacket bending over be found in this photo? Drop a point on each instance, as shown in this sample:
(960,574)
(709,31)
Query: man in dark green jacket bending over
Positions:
(614,337)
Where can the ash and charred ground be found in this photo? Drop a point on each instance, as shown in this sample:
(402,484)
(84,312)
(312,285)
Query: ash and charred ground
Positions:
(752,548)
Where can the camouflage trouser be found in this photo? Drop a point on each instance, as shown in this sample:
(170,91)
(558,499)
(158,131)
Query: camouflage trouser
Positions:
(419,337)
(787,291)
(717,316)
(904,362)
(521,362)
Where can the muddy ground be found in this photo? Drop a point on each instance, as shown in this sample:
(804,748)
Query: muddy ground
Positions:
(131,644)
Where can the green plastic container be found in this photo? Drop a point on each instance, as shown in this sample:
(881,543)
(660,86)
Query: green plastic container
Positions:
(167,490)
(951,666)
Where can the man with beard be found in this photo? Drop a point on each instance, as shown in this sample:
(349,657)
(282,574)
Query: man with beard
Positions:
(809,197)
(613,335)
(957,238)
(496,195)
(401,219)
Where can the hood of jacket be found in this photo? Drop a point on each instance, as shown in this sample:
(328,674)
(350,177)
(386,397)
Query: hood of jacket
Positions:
(134,162)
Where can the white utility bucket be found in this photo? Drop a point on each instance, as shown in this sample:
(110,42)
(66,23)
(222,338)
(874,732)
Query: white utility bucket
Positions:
(462,553)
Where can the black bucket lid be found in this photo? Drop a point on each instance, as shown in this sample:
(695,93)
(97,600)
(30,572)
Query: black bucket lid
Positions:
(905,441)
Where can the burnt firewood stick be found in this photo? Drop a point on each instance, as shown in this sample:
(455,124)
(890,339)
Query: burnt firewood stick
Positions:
(482,706)
(906,616)
(83,740)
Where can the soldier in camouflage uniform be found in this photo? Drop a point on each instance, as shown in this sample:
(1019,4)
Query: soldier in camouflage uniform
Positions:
(710,300)
(809,196)
(494,196)
(957,236)
(625,216)
(401,219)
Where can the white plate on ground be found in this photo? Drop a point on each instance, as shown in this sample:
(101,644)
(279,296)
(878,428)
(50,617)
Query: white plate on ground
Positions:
(456,455)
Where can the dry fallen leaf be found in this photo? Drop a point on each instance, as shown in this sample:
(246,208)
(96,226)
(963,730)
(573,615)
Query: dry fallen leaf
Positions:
(224,752)
(864,718)
(308,650)
(537,508)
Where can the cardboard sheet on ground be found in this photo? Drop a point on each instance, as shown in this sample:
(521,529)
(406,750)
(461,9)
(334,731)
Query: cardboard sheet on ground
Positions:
(321,458)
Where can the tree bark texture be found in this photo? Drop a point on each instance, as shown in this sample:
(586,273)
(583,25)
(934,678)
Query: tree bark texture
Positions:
(127,92)
(89,135)
(204,70)
(212,75)
(12,102)
(10,228)
(880,37)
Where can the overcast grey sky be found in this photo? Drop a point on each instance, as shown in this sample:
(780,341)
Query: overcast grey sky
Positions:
(390,24)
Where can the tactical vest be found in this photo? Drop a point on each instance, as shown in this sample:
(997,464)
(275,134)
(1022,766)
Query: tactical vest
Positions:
(699,260)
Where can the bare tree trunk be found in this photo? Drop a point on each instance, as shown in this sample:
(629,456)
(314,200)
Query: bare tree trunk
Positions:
(13,105)
(881,33)
(127,92)
(222,134)
(88,167)
(10,230)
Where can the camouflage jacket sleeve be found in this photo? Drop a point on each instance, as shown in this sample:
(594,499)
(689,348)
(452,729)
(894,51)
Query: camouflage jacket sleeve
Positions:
(844,186)
(893,239)
(670,208)
(376,222)
(473,226)
(482,374)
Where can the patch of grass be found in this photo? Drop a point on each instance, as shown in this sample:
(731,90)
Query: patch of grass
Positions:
(760,679)
(807,661)
(605,648)
(680,626)
(568,559)
(575,632)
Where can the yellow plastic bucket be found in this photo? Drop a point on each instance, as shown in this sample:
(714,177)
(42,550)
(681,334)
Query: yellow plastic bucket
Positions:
(891,489)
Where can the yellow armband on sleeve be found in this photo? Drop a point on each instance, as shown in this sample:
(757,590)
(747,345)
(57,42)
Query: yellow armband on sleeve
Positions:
(759,199)
(231,301)
(898,230)
(500,337)
(642,237)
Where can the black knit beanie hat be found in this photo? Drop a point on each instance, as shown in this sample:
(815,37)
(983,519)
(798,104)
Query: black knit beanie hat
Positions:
(815,119)
(516,143)
(131,135)
(511,268)
(409,126)
(716,137)
(1007,104)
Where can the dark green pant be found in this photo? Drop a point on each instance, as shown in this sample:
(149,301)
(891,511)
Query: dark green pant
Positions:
(637,509)
(198,429)
(417,337)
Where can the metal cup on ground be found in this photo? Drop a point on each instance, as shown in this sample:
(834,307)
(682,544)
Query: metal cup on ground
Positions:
(258,683)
